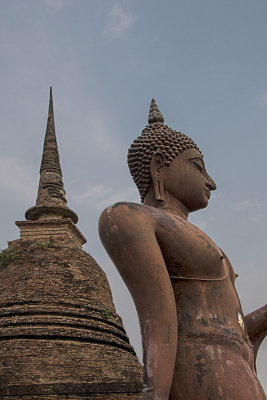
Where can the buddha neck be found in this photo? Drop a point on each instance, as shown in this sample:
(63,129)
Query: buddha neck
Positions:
(169,203)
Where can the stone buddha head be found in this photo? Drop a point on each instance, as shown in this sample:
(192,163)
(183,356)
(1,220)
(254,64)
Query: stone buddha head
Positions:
(166,161)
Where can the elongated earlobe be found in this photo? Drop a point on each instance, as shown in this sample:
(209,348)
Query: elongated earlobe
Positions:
(157,162)
(159,189)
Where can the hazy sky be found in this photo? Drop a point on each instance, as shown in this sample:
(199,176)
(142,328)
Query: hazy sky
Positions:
(204,61)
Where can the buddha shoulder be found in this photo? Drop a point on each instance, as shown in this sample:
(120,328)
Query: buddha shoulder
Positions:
(123,222)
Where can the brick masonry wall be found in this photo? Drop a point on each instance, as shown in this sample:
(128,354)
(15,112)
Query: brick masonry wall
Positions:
(60,335)
(103,396)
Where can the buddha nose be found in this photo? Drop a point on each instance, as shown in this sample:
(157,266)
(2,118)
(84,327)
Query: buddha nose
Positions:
(210,183)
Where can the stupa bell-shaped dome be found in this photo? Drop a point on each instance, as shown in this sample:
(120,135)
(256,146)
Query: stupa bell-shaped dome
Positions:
(60,335)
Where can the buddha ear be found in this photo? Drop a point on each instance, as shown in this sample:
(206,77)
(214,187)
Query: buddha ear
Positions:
(156,164)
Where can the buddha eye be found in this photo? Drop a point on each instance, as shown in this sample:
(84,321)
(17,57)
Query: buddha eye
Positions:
(199,166)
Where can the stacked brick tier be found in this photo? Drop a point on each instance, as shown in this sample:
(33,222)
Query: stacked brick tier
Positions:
(60,335)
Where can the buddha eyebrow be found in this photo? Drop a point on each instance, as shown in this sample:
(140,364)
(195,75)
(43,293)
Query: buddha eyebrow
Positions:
(197,158)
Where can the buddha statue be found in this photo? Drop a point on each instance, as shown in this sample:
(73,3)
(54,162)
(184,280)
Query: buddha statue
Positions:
(197,344)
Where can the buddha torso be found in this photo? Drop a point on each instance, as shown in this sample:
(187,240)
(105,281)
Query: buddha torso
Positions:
(200,273)
(212,338)
(214,354)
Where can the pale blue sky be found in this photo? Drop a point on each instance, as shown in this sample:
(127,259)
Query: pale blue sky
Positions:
(204,61)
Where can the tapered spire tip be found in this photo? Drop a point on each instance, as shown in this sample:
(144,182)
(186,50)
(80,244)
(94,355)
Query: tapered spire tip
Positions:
(51,196)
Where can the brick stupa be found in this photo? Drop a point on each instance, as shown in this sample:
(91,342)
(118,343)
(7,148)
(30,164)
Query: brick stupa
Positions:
(60,335)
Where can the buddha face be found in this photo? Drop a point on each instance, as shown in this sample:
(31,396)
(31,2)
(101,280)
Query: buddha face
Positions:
(187,180)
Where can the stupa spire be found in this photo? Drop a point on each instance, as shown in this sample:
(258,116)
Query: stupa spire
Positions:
(50,159)
(154,113)
(51,200)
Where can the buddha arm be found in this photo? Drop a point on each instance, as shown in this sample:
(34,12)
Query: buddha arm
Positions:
(134,250)
(256,324)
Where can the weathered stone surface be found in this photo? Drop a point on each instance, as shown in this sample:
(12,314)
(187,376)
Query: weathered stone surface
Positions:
(102,396)
(51,199)
(62,229)
(58,326)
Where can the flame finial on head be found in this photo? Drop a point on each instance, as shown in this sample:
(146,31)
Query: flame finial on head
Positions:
(154,113)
